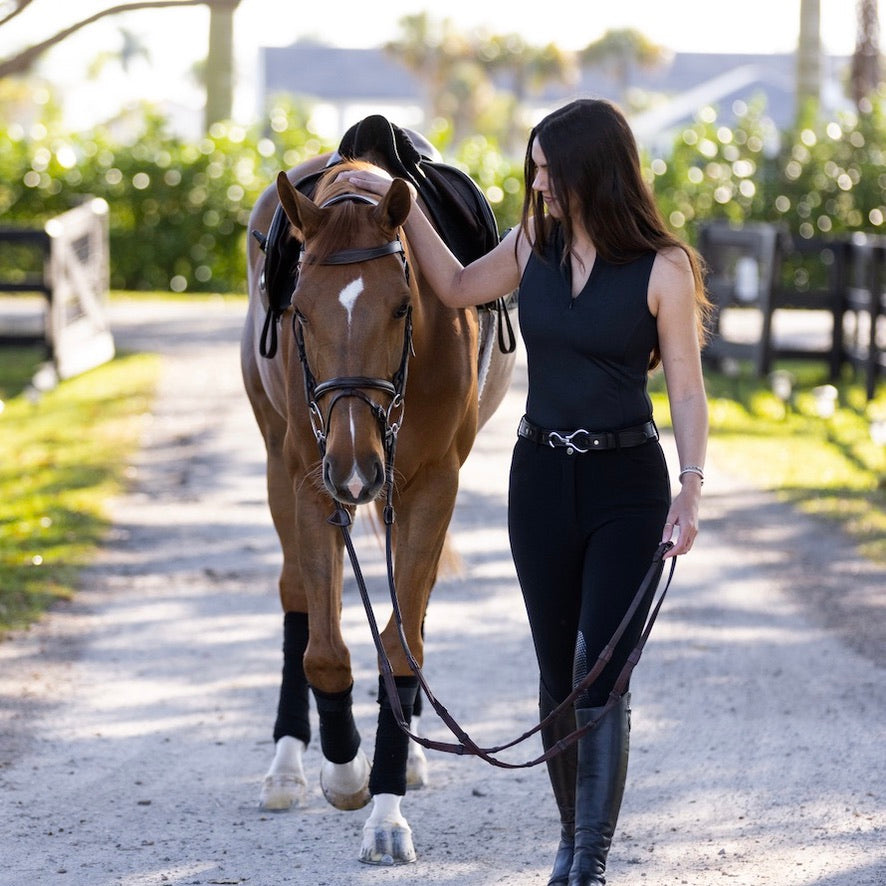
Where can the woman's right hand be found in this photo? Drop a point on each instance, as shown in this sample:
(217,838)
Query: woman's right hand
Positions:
(375,182)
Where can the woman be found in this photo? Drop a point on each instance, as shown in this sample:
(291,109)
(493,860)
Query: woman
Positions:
(606,293)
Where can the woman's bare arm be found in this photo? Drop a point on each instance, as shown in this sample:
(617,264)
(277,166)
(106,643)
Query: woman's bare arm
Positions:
(672,300)
(495,274)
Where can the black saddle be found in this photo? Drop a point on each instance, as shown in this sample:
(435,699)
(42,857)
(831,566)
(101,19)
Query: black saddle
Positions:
(457,207)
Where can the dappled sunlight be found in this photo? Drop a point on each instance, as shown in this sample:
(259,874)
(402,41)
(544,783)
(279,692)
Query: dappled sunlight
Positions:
(482,541)
(150,698)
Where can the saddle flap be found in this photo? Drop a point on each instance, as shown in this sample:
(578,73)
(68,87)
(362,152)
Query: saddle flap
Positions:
(281,250)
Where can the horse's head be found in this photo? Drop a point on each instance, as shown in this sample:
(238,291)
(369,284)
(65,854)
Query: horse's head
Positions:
(352,309)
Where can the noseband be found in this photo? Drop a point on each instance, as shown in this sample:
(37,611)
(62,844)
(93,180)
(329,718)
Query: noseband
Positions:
(389,420)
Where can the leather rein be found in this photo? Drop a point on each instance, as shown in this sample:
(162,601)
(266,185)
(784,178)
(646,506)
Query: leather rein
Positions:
(390,421)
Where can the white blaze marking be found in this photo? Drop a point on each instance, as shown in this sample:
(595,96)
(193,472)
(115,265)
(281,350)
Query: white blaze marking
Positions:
(349,295)
(355,481)
(347,299)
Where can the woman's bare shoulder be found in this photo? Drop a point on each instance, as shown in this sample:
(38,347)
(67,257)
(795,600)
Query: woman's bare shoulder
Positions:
(672,261)
(672,280)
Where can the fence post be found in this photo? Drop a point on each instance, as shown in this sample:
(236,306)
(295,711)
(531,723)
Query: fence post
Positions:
(79,330)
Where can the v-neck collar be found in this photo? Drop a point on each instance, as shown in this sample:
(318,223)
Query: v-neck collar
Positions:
(587,283)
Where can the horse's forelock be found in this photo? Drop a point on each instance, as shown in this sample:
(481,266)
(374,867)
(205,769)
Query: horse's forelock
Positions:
(336,233)
(328,184)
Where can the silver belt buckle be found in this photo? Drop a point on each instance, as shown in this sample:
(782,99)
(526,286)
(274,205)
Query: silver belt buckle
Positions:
(569,440)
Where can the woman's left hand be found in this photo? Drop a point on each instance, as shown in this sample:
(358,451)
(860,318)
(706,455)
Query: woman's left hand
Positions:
(681,525)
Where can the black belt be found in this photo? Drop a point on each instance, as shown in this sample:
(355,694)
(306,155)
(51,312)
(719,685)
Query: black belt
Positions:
(587,441)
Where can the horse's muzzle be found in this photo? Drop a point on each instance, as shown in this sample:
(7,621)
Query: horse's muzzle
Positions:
(356,485)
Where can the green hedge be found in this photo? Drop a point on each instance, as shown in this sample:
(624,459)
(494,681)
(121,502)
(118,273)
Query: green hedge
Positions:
(820,179)
(179,209)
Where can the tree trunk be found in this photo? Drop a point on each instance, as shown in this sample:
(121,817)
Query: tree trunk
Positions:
(220,63)
(809,59)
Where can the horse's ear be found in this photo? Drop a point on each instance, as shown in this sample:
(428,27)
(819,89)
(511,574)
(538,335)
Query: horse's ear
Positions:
(300,210)
(395,206)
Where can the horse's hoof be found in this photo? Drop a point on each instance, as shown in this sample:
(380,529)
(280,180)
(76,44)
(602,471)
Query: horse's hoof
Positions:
(282,791)
(416,767)
(387,837)
(285,785)
(346,785)
(387,846)
(416,761)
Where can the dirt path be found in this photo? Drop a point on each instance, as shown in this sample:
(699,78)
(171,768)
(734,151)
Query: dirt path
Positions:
(135,722)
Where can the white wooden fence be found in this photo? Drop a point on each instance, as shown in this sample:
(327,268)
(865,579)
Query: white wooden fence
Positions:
(73,286)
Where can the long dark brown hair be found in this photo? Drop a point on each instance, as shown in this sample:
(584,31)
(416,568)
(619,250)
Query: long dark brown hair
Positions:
(594,172)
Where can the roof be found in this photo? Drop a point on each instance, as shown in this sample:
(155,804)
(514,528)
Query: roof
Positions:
(333,74)
(691,80)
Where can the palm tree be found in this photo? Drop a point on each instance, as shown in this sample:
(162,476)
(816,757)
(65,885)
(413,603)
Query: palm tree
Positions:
(459,71)
(528,70)
(220,62)
(433,51)
(619,52)
(131,47)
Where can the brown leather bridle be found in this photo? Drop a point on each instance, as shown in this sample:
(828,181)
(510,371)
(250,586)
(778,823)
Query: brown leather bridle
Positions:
(390,419)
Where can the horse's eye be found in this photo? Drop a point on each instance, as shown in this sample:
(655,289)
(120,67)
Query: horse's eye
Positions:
(402,311)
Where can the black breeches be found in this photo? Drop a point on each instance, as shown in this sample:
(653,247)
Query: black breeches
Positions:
(583,531)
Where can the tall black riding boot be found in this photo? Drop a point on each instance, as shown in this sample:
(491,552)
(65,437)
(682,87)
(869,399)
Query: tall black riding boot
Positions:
(602,768)
(562,770)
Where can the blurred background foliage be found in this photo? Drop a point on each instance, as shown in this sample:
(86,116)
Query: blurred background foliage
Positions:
(179,209)
(820,178)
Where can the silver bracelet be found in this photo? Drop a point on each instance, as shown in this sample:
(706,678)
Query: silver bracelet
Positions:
(692,469)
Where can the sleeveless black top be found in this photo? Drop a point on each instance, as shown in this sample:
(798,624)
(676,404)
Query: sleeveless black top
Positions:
(588,357)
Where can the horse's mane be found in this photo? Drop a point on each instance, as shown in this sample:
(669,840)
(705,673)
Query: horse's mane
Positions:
(343,220)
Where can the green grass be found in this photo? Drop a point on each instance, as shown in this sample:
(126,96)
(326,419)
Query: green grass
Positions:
(62,456)
(830,467)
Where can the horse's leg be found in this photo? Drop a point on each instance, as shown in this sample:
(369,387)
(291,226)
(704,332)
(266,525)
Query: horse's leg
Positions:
(284,785)
(344,774)
(387,837)
(424,511)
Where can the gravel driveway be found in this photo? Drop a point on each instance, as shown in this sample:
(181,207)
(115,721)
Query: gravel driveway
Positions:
(135,721)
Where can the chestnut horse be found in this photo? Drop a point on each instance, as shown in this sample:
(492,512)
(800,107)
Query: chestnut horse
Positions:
(329,398)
